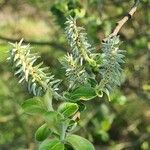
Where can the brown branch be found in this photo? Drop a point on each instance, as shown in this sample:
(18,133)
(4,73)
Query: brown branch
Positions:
(41,43)
(123,20)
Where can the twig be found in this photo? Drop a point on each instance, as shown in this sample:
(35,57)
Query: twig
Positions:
(44,43)
(123,20)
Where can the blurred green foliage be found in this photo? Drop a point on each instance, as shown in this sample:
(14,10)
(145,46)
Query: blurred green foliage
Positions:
(123,123)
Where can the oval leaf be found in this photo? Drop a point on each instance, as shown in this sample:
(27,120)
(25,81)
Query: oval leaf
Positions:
(68,109)
(53,144)
(53,120)
(42,133)
(79,143)
(82,93)
(33,106)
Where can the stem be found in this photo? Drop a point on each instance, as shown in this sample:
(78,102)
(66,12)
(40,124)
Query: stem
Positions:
(34,42)
(63,133)
(123,20)
(48,100)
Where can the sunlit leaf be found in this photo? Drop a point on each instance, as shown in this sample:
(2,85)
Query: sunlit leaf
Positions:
(68,109)
(42,132)
(33,106)
(82,93)
(51,144)
(79,143)
(53,120)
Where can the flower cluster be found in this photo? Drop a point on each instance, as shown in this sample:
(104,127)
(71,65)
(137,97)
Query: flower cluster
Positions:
(112,58)
(28,70)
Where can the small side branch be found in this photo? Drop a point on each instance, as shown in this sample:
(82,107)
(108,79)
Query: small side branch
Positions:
(41,43)
(123,20)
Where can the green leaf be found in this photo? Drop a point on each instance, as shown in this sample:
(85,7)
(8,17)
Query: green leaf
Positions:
(92,82)
(53,144)
(79,143)
(82,93)
(82,106)
(53,120)
(68,109)
(42,133)
(33,106)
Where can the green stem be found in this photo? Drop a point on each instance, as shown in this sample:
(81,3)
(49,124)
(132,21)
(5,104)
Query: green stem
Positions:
(63,133)
(48,100)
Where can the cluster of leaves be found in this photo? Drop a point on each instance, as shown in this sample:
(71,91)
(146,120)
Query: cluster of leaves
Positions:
(54,133)
(83,66)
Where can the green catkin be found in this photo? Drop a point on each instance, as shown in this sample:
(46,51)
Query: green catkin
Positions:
(28,70)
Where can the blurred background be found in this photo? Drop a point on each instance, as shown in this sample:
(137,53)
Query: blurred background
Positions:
(123,123)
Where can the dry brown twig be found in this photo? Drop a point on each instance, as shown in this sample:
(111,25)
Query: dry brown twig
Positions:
(123,20)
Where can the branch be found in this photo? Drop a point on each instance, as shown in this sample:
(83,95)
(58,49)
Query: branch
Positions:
(45,43)
(123,20)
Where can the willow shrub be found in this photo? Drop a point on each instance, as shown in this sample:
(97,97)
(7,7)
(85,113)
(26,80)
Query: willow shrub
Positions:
(89,74)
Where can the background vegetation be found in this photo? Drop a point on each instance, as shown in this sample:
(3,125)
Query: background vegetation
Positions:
(123,123)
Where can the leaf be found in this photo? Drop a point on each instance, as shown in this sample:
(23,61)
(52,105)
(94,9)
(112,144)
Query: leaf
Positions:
(68,109)
(53,120)
(92,82)
(79,143)
(33,106)
(82,106)
(82,93)
(53,144)
(42,132)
